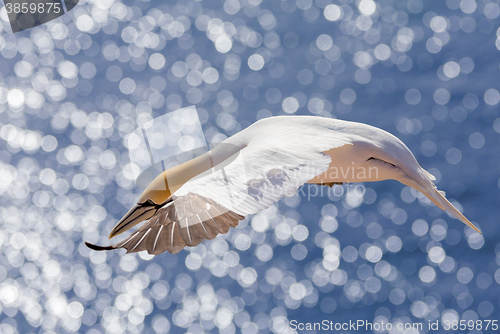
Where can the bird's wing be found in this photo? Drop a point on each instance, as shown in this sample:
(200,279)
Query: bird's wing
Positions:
(211,203)
(182,221)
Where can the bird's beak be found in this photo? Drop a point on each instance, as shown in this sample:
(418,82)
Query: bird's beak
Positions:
(139,213)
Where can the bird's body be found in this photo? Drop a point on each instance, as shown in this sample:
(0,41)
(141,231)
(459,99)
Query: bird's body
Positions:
(251,170)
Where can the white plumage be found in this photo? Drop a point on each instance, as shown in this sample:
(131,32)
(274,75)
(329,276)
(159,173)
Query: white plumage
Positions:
(251,170)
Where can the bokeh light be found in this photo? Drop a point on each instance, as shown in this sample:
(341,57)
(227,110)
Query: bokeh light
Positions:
(72,91)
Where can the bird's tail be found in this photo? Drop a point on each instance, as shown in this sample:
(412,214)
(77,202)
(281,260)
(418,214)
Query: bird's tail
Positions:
(427,187)
(438,197)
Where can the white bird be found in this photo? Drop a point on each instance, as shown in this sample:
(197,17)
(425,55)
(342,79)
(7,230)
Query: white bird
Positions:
(251,170)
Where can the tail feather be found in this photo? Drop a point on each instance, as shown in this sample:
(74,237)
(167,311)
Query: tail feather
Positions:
(437,197)
(429,175)
(440,200)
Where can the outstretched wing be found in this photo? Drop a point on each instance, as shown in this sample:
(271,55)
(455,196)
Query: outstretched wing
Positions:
(211,203)
(182,221)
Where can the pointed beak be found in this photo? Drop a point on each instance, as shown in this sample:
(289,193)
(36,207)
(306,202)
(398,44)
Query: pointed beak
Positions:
(139,213)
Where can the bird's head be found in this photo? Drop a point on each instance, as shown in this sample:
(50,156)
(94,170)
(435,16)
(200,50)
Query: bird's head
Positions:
(157,191)
(151,199)
(167,183)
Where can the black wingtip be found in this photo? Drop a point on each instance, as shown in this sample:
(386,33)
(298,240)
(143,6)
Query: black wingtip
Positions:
(96,247)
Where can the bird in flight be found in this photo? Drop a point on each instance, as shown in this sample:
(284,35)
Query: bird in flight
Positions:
(254,168)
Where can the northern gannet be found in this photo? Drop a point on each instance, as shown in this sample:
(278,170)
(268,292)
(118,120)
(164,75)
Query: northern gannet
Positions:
(254,168)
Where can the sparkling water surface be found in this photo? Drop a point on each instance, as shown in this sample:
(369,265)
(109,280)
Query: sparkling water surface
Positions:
(73,89)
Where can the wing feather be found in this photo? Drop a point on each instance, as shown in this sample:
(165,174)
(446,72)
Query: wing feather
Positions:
(217,200)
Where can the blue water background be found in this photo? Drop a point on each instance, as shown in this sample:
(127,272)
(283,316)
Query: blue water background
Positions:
(51,283)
